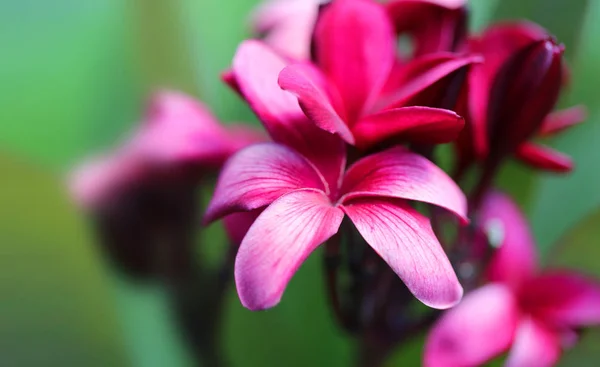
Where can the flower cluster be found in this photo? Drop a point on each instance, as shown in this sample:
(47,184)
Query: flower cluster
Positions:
(355,95)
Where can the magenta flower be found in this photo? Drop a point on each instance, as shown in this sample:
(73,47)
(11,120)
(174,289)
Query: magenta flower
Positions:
(176,132)
(532,314)
(433,25)
(303,211)
(287,25)
(512,94)
(353,89)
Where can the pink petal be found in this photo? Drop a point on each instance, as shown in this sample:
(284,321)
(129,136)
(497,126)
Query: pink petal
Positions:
(404,239)
(506,227)
(479,328)
(256,176)
(544,158)
(287,25)
(256,69)
(558,121)
(422,73)
(309,86)
(399,173)
(237,225)
(354,46)
(415,124)
(564,299)
(95,181)
(433,25)
(178,128)
(279,241)
(534,345)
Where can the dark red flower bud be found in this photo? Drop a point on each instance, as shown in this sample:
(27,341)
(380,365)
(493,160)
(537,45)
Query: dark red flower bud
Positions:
(523,93)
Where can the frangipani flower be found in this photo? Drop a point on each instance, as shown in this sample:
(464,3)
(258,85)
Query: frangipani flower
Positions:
(512,94)
(351,90)
(143,196)
(287,25)
(300,183)
(529,313)
(176,132)
(303,211)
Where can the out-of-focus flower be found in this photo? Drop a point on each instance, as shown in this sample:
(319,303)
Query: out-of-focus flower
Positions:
(287,25)
(511,96)
(177,134)
(303,211)
(299,181)
(143,196)
(350,88)
(432,25)
(533,314)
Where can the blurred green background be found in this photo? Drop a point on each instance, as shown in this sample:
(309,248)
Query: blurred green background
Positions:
(73,77)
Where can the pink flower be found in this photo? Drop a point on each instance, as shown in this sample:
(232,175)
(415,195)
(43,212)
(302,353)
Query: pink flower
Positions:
(512,94)
(303,210)
(287,25)
(176,132)
(353,88)
(530,313)
(433,25)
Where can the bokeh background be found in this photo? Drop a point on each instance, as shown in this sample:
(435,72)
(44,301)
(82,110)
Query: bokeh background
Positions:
(73,76)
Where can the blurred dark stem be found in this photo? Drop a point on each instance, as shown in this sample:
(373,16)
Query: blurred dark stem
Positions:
(484,184)
(196,292)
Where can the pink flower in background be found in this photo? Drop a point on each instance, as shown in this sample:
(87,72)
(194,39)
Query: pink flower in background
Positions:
(351,90)
(303,211)
(512,94)
(176,132)
(287,25)
(529,313)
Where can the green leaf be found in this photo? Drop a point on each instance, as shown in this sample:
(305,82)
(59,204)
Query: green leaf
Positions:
(56,307)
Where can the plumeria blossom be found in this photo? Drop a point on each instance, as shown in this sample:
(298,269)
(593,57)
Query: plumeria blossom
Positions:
(532,314)
(301,184)
(142,196)
(350,89)
(303,211)
(287,25)
(177,131)
(512,94)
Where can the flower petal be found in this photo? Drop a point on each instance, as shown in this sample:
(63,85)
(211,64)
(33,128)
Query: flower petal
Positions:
(414,124)
(237,224)
(256,69)
(279,241)
(558,121)
(177,128)
(421,74)
(287,25)
(399,173)
(564,298)
(543,157)
(404,239)
(506,227)
(354,46)
(534,345)
(308,85)
(256,176)
(434,25)
(479,328)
